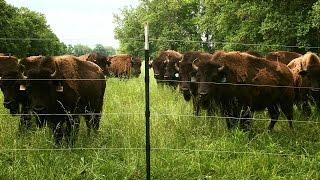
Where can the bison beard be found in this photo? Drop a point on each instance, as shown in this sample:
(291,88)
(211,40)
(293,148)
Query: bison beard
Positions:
(242,101)
(59,99)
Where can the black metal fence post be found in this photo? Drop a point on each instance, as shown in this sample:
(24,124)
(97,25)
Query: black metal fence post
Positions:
(147,101)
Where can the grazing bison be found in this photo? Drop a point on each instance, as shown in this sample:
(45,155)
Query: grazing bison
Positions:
(284,57)
(97,58)
(302,95)
(63,87)
(310,69)
(10,85)
(240,100)
(164,66)
(124,65)
(187,74)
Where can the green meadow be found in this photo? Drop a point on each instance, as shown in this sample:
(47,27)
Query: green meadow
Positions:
(183,146)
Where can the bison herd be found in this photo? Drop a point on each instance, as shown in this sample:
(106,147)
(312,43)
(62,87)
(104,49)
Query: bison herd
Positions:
(57,90)
(237,84)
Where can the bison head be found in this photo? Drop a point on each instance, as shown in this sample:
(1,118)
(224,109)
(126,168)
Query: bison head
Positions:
(208,73)
(188,78)
(158,67)
(171,70)
(310,68)
(10,84)
(44,90)
(135,67)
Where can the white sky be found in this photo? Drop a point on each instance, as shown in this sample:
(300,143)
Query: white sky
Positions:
(87,22)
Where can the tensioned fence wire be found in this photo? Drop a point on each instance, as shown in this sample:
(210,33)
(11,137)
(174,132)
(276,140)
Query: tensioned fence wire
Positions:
(164,114)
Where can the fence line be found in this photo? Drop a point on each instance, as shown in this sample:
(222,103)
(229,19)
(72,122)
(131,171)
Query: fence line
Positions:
(172,40)
(231,117)
(159,149)
(168,114)
(178,81)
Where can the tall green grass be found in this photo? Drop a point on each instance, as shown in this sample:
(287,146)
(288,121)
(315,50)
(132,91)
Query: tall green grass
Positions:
(184,147)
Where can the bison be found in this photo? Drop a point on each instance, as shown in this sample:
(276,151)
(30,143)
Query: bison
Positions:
(252,86)
(61,89)
(124,65)
(164,67)
(284,57)
(310,69)
(99,59)
(10,86)
(187,74)
(302,95)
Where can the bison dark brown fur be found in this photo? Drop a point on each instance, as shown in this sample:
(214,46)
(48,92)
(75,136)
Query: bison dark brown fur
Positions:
(239,100)
(61,93)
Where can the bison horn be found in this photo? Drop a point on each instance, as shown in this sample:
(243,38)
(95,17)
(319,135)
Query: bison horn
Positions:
(220,68)
(176,66)
(24,76)
(54,73)
(194,66)
(167,60)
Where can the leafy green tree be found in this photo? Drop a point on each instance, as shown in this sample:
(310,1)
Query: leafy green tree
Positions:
(24,32)
(100,49)
(80,49)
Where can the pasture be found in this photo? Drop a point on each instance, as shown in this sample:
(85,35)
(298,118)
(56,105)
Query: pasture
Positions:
(183,147)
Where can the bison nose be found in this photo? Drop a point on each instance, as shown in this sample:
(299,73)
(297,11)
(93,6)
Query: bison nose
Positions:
(39,109)
(156,76)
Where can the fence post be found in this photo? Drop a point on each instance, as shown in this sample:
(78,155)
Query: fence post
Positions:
(147,100)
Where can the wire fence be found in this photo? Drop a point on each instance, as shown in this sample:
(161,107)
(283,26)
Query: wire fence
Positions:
(155,112)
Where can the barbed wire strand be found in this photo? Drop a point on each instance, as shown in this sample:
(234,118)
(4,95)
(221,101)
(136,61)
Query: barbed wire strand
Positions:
(169,114)
(160,149)
(178,81)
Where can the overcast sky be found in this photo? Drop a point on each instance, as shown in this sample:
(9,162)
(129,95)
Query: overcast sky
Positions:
(79,21)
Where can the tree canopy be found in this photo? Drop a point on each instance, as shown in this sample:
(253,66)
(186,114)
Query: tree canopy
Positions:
(24,32)
(208,25)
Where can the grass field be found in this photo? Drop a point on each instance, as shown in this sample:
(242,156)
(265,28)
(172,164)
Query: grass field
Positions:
(185,147)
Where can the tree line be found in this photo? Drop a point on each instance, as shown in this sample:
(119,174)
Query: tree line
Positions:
(24,33)
(221,24)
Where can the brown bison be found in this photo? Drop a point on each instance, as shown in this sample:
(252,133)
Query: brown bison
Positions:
(164,67)
(310,69)
(124,65)
(187,74)
(244,96)
(302,95)
(10,87)
(284,57)
(61,89)
(97,58)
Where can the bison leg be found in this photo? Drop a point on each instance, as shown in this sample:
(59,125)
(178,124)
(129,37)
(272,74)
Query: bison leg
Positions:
(196,106)
(306,109)
(274,115)
(245,121)
(287,109)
